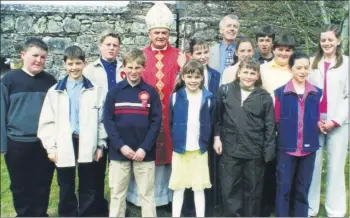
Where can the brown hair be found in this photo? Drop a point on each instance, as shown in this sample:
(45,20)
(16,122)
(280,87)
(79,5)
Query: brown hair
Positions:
(250,63)
(134,55)
(197,43)
(192,66)
(73,52)
(319,53)
(239,42)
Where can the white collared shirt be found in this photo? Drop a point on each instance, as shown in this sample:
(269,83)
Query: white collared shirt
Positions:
(157,49)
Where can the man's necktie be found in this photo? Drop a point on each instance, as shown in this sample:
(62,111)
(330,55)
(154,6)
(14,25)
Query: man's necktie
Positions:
(229,57)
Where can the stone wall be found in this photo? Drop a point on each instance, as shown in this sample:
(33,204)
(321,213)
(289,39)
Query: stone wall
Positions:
(61,26)
(81,25)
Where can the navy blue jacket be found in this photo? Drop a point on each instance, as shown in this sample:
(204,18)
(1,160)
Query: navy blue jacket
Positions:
(178,115)
(132,117)
(213,80)
(287,118)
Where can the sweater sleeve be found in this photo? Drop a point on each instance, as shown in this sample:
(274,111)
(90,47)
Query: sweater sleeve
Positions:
(116,141)
(218,111)
(343,107)
(156,121)
(269,131)
(102,135)
(4,100)
(46,126)
(171,112)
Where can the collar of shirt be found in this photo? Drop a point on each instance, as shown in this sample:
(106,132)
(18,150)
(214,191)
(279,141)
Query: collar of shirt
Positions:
(290,88)
(124,83)
(261,59)
(27,72)
(71,84)
(223,54)
(156,49)
(109,64)
(225,47)
(275,65)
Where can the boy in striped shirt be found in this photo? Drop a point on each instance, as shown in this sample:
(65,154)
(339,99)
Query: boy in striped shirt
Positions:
(132,119)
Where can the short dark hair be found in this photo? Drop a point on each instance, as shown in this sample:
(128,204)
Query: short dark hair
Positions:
(134,55)
(73,52)
(34,42)
(284,40)
(296,56)
(197,43)
(265,31)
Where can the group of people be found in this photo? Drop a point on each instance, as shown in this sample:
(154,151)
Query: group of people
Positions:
(225,127)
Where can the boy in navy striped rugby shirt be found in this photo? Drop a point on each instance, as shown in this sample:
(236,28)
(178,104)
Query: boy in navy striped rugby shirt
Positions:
(132,118)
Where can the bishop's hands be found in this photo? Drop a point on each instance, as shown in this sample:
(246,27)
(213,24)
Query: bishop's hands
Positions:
(139,155)
(181,59)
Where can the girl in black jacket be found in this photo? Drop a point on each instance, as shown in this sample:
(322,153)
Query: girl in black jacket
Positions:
(245,136)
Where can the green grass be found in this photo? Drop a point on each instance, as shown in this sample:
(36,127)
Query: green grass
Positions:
(7,209)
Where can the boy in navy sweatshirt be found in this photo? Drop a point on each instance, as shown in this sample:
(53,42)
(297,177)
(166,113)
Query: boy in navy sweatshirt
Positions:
(132,119)
(22,96)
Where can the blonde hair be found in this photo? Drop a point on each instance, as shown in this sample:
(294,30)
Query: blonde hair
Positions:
(106,33)
(250,63)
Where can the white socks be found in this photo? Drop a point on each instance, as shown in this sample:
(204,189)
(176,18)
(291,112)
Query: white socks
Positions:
(178,199)
(199,201)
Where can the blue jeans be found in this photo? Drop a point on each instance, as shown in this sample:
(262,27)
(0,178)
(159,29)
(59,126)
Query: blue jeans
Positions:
(294,175)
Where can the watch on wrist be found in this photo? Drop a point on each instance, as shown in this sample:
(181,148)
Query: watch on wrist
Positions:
(100,147)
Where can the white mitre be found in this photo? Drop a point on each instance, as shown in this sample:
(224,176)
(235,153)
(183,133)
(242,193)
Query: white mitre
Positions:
(159,16)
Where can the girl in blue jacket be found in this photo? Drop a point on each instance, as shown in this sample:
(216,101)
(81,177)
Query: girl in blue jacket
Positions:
(297,116)
(190,124)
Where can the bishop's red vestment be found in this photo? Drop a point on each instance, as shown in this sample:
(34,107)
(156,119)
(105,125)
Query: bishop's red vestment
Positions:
(160,72)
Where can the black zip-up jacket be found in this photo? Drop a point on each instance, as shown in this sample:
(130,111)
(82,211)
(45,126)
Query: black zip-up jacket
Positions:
(246,130)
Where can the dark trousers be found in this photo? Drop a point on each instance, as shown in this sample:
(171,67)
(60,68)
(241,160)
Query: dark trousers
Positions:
(100,203)
(294,175)
(269,189)
(31,174)
(68,205)
(241,182)
(212,195)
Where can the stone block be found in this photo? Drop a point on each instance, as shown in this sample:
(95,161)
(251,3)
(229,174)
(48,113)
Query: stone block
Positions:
(7,48)
(54,27)
(142,40)
(7,24)
(85,39)
(24,24)
(71,25)
(40,25)
(137,27)
(98,27)
(128,41)
(120,27)
(57,45)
